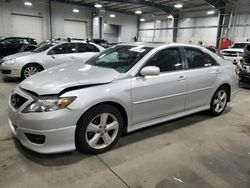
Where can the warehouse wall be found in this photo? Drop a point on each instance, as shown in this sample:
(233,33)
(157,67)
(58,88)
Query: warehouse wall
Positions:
(128,25)
(39,9)
(60,13)
(195,29)
(190,29)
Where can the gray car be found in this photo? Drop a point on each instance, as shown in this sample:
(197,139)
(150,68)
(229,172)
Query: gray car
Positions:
(26,64)
(125,88)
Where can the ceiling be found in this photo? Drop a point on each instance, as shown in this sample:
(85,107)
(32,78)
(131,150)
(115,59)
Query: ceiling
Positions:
(129,7)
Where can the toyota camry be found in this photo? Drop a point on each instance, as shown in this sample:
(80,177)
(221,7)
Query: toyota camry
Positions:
(86,106)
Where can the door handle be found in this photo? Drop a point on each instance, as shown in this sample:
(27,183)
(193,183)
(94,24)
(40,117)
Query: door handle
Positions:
(217,71)
(181,78)
(53,57)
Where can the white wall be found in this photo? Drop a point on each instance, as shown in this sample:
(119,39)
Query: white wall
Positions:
(190,29)
(128,25)
(60,12)
(39,8)
(158,35)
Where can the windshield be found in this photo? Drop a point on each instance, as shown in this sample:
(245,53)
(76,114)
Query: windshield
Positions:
(239,45)
(43,48)
(120,58)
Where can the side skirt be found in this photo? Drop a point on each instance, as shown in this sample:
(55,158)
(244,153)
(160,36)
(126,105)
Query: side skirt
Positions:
(166,118)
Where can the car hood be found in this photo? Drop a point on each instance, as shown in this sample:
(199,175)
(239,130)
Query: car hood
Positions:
(17,55)
(234,50)
(56,79)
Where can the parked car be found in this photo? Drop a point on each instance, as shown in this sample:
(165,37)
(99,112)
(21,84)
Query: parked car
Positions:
(12,45)
(125,88)
(101,42)
(235,53)
(214,50)
(27,64)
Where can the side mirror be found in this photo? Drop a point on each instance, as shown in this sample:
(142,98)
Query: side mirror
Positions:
(150,71)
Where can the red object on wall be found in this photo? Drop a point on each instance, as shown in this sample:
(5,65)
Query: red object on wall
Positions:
(226,43)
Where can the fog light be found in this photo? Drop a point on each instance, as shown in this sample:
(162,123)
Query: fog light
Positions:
(37,139)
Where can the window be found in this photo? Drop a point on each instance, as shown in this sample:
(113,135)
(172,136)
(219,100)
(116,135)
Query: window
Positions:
(65,48)
(82,47)
(167,60)
(121,58)
(198,59)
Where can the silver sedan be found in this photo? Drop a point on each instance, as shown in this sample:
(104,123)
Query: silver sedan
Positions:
(125,88)
(26,64)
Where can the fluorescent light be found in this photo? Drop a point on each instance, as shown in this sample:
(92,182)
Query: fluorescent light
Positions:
(210,12)
(75,10)
(27,3)
(142,19)
(112,15)
(178,6)
(170,17)
(98,5)
(138,11)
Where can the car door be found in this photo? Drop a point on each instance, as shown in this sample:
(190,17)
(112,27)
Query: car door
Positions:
(85,51)
(202,73)
(158,96)
(60,54)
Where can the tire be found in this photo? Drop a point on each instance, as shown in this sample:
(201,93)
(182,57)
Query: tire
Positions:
(30,70)
(218,102)
(92,135)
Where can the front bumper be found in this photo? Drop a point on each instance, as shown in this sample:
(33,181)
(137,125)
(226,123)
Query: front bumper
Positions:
(58,127)
(10,70)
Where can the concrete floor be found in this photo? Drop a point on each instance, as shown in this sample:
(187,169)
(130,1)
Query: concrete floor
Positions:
(195,151)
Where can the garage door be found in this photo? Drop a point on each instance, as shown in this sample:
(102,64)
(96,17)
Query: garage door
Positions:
(27,26)
(75,29)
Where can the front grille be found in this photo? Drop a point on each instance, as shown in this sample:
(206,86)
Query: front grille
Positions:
(232,54)
(17,101)
(6,71)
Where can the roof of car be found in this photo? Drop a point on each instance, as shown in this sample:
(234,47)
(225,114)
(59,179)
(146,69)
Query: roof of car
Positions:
(156,44)
(18,38)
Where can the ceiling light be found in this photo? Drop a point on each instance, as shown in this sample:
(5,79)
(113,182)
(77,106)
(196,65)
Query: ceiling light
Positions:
(178,6)
(142,19)
(170,17)
(138,11)
(98,5)
(27,3)
(112,15)
(75,10)
(210,12)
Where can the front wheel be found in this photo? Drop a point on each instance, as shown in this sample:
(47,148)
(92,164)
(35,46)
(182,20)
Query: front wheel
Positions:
(219,101)
(98,129)
(30,70)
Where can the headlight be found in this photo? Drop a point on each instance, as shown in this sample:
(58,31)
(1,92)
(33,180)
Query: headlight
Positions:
(9,61)
(48,105)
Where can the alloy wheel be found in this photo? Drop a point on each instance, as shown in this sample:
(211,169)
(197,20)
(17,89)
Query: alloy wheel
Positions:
(102,131)
(220,101)
(29,71)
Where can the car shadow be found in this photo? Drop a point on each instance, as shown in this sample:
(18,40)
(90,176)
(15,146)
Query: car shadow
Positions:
(10,80)
(128,138)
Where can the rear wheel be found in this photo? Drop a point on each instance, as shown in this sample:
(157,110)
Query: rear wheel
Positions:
(30,70)
(98,129)
(219,101)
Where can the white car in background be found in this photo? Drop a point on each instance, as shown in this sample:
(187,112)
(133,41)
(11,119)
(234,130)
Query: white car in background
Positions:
(235,53)
(48,55)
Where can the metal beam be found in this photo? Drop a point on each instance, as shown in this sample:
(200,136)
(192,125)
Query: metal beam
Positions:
(165,8)
(216,3)
(175,27)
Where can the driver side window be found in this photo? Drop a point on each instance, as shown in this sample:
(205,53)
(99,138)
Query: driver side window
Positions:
(167,60)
